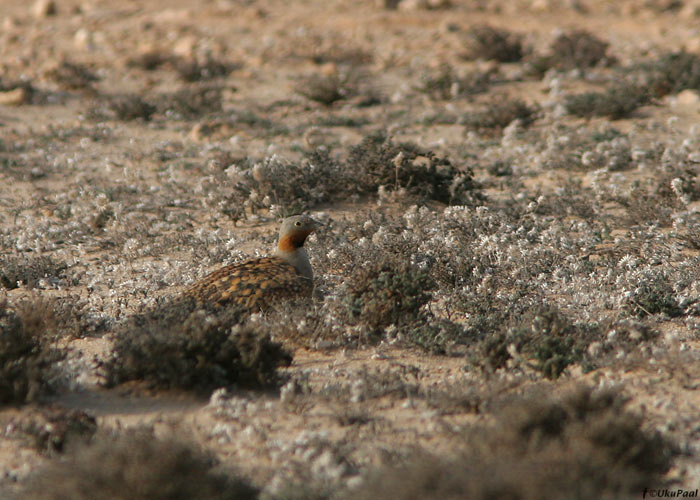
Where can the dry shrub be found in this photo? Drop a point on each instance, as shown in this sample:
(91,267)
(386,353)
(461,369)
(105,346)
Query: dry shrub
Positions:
(186,104)
(126,108)
(190,103)
(177,344)
(292,187)
(72,76)
(378,161)
(577,49)
(54,430)
(136,466)
(500,112)
(584,445)
(445,83)
(545,337)
(29,270)
(645,206)
(149,60)
(297,324)
(188,69)
(654,296)
(28,358)
(617,102)
(324,89)
(387,291)
(193,70)
(486,42)
(670,73)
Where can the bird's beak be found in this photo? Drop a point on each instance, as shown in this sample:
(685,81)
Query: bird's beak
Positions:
(316,225)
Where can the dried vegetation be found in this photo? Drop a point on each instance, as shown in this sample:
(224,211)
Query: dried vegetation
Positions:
(136,465)
(478,204)
(29,358)
(179,345)
(584,444)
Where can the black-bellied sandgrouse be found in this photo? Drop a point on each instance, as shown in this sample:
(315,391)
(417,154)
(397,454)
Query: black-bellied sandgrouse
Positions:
(256,284)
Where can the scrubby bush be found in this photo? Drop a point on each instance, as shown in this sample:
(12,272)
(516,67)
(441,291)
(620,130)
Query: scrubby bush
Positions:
(72,76)
(125,107)
(291,187)
(500,112)
(578,49)
(670,73)
(445,83)
(376,163)
(189,103)
(545,337)
(654,295)
(387,291)
(645,206)
(193,70)
(28,271)
(584,445)
(324,89)
(54,430)
(186,104)
(28,358)
(486,42)
(379,161)
(619,101)
(575,49)
(437,335)
(136,466)
(180,345)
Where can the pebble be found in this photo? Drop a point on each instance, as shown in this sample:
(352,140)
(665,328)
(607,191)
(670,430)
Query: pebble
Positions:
(83,39)
(44,8)
(15,97)
(688,98)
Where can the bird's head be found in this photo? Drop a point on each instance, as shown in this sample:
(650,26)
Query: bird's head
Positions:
(294,231)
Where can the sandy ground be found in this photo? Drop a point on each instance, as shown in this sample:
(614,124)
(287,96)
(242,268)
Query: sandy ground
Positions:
(160,171)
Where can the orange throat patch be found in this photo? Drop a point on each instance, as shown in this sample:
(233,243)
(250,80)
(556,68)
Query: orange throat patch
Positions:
(293,241)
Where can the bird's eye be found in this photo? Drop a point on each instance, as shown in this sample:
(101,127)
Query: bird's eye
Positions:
(297,223)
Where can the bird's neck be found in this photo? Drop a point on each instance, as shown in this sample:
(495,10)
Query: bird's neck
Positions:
(291,242)
(298,258)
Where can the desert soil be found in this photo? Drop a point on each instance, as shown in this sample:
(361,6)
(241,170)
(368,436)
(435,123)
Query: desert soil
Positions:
(67,157)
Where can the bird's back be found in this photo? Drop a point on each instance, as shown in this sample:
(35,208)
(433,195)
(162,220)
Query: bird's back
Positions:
(252,285)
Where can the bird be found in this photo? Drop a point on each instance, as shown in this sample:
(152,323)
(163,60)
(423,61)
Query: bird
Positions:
(257,284)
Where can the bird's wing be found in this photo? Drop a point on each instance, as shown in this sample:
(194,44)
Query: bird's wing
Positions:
(253,284)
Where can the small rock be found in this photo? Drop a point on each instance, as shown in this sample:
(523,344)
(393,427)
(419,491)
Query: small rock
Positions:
(9,23)
(44,8)
(212,131)
(594,349)
(83,39)
(315,137)
(541,6)
(185,47)
(15,97)
(413,4)
(328,69)
(688,99)
(37,173)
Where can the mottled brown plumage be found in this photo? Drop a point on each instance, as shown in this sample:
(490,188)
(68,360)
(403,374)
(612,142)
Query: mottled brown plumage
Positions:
(257,284)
